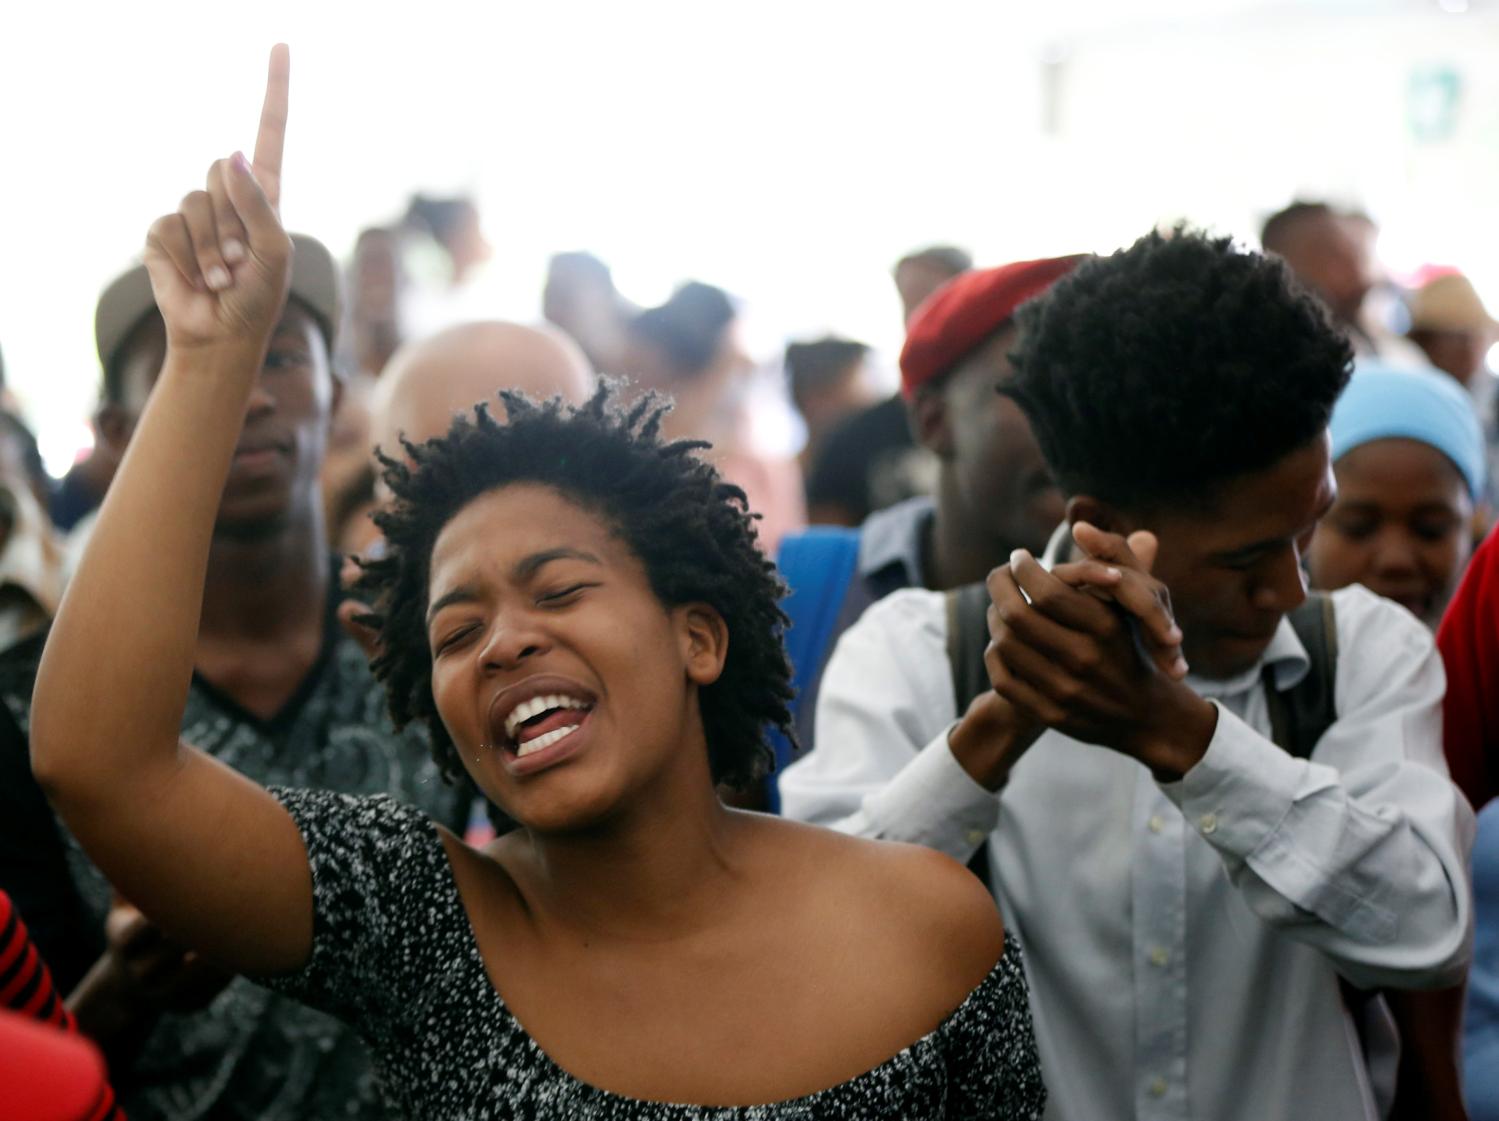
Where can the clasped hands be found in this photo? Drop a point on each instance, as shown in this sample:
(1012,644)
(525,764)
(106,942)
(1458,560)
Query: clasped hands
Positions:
(1090,648)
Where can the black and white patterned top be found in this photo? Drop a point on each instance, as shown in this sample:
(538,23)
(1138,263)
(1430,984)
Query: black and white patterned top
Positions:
(251,1055)
(393,954)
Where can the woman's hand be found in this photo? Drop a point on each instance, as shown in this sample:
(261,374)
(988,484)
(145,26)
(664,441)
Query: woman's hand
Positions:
(221,264)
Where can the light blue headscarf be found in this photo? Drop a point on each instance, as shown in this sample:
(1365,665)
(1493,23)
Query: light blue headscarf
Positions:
(1382,402)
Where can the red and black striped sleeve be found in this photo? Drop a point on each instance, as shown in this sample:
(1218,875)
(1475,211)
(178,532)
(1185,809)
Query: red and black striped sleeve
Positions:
(26,988)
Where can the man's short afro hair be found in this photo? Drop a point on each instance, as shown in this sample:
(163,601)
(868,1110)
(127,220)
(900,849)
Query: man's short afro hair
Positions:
(691,530)
(1159,373)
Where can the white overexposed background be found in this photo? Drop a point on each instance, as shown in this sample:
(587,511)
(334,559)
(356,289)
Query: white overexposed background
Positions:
(789,152)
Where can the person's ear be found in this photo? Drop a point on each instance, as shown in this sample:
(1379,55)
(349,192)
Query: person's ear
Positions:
(1101,514)
(114,423)
(336,397)
(705,642)
(930,421)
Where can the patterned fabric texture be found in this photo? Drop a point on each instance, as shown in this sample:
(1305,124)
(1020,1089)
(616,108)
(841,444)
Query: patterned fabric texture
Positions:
(393,952)
(251,1053)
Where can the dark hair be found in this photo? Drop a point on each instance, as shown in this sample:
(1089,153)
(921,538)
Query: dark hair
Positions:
(31,454)
(582,264)
(947,258)
(113,390)
(372,233)
(688,327)
(1158,373)
(691,530)
(1280,228)
(821,363)
(440,217)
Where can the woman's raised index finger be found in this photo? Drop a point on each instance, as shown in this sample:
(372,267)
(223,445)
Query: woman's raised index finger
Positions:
(270,141)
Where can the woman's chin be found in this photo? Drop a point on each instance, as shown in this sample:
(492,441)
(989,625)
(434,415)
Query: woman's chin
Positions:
(560,809)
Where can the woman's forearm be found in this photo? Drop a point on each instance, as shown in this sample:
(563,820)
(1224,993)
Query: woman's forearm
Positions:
(113,680)
(211,858)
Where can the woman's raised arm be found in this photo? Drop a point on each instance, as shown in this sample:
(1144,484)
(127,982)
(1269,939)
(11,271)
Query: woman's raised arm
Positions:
(204,852)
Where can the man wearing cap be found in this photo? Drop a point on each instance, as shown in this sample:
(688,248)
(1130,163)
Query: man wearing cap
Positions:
(993,493)
(1451,325)
(279,692)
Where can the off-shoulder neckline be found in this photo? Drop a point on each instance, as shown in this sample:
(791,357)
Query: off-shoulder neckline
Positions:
(1003,968)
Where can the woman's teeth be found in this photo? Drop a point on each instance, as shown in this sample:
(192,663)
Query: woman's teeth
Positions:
(545,740)
(535,707)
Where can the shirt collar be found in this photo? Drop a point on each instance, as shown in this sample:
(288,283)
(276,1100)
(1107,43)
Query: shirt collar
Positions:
(1286,657)
(1061,538)
(895,536)
(1285,654)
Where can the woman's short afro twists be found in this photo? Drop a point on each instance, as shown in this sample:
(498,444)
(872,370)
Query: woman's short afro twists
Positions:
(690,529)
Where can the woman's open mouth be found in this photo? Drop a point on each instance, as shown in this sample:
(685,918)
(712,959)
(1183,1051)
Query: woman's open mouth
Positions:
(540,722)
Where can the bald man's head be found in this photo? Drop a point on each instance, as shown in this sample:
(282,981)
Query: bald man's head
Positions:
(426,384)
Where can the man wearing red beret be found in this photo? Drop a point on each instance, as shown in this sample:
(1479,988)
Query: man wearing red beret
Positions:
(994,492)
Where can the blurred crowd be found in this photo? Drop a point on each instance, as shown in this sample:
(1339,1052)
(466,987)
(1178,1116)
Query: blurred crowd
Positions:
(931,487)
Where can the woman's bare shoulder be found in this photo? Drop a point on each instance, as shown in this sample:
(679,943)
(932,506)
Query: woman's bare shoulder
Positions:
(915,903)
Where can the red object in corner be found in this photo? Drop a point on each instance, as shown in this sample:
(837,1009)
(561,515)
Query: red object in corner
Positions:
(1469,641)
(47,1074)
(957,318)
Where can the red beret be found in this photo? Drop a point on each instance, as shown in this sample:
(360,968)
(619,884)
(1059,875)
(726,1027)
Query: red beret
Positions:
(959,317)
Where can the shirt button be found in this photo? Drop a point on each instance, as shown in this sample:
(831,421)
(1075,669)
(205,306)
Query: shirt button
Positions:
(976,836)
(1159,956)
(1158,1087)
(1208,823)
(1155,824)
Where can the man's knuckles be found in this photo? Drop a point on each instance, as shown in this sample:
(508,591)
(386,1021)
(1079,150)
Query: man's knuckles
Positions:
(1009,647)
(1067,691)
(1111,626)
(1084,659)
(1010,611)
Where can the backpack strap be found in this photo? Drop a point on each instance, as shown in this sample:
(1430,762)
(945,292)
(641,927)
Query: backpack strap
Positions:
(817,565)
(1299,715)
(967,639)
(1426,1023)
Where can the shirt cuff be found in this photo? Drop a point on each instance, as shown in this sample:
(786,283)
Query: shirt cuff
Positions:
(934,802)
(1240,791)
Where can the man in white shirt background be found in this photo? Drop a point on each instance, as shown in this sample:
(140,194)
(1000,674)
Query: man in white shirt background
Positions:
(1188,892)
(992,492)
